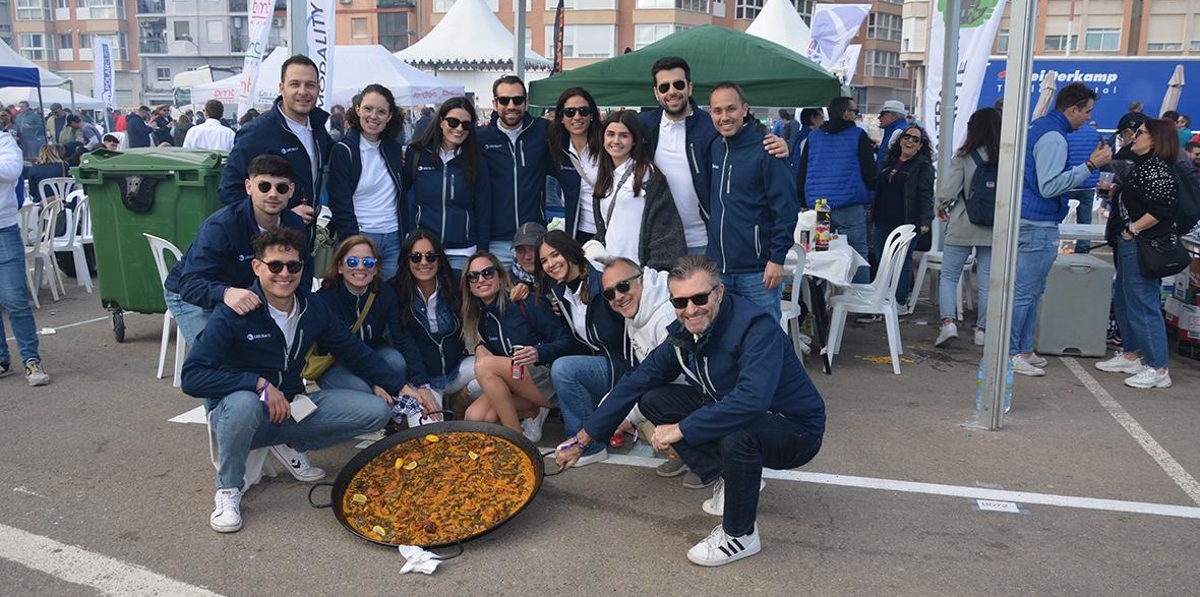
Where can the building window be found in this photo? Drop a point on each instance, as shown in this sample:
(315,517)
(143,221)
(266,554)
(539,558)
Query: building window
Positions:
(1002,41)
(444,5)
(162,73)
(1058,43)
(33,46)
(214,31)
(583,4)
(1102,40)
(1166,46)
(33,10)
(393,30)
(692,5)
(64,42)
(878,63)
(85,41)
(884,26)
(584,41)
(1195,46)
(528,39)
(183,31)
(747,9)
(64,4)
(358,28)
(105,9)
(644,35)
(804,8)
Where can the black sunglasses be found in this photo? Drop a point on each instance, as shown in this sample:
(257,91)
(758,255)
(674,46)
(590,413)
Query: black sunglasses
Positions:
(454,123)
(516,100)
(282,188)
(487,273)
(430,256)
(679,84)
(367,262)
(913,138)
(582,111)
(293,267)
(621,287)
(681,302)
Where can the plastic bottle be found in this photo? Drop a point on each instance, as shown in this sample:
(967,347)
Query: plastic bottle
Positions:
(1008,388)
(823,224)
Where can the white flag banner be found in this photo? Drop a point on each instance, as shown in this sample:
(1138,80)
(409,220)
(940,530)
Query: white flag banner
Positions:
(104,84)
(259,32)
(846,67)
(834,26)
(319,24)
(978,23)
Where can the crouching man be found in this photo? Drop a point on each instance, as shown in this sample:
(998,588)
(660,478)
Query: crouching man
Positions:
(748,404)
(247,367)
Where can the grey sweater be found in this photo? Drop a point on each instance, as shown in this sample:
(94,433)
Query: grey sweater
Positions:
(959,229)
(661,241)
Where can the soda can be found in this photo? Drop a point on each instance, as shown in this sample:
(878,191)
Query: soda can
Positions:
(518,371)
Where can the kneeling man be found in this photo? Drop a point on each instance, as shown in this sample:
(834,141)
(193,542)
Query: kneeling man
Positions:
(748,404)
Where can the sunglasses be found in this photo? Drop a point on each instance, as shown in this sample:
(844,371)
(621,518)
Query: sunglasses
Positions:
(621,287)
(571,112)
(913,138)
(430,256)
(282,188)
(516,100)
(679,84)
(486,273)
(293,267)
(367,262)
(454,123)
(681,302)
(1139,133)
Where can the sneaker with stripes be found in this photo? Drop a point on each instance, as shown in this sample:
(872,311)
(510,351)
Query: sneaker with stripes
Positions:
(719,548)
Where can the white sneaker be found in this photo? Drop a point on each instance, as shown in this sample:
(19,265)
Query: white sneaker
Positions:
(716,504)
(297,463)
(1037,360)
(1149,377)
(979,337)
(227,515)
(949,332)
(34,375)
(532,428)
(1022,367)
(1120,364)
(719,548)
(600,456)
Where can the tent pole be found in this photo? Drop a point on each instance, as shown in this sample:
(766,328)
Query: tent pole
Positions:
(519,39)
(949,103)
(71,86)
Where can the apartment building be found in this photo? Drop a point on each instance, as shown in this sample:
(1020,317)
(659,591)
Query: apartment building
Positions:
(6,22)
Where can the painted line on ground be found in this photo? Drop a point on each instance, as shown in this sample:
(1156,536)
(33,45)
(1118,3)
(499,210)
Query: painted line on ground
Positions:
(82,567)
(1022,497)
(70,325)
(1182,478)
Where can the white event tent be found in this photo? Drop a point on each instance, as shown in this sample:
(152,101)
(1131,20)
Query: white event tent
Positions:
(779,22)
(471,47)
(49,95)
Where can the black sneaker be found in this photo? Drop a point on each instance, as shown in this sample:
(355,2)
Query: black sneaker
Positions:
(5,368)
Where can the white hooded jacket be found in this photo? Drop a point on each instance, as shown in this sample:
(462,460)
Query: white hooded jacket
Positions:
(648,328)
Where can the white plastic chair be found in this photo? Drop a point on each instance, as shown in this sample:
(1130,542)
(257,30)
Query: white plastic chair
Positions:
(57,187)
(160,247)
(39,258)
(878,297)
(258,464)
(27,222)
(69,240)
(932,261)
(790,309)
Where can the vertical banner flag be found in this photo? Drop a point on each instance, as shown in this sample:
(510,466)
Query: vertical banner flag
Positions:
(320,26)
(833,27)
(846,67)
(978,22)
(104,84)
(258,32)
(559,25)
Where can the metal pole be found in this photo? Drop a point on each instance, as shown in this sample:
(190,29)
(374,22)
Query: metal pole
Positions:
(519,39)
(71,86)
(950,70)
(297,12)
(1008,210)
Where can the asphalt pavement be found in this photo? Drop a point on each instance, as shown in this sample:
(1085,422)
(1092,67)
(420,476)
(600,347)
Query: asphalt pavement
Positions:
(1090,490)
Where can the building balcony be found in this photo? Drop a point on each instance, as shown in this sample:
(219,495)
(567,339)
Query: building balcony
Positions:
(152,46)
(151,7)
(395,4)
(238,6)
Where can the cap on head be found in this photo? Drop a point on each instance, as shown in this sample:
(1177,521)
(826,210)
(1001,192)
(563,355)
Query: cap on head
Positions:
(55,107)
(894,106)
(529,234)
(1131,121)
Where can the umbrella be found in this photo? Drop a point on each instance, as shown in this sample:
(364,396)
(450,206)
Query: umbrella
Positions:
(1174,90)
(1046,98)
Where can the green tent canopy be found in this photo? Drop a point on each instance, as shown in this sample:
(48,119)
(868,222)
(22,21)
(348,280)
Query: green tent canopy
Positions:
(770,74)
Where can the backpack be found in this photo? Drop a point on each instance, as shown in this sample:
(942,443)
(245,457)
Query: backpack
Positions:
(1188,209)
(981,198)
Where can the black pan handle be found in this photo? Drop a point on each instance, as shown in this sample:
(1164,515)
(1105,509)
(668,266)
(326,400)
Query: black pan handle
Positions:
(314,488)
(425,417)
(456,554)
(557,472)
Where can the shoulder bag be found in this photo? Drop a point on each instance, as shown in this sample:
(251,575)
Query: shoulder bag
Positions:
(315,365)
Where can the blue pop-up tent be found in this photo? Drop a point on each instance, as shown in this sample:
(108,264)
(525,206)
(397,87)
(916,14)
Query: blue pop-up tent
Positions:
(16,71)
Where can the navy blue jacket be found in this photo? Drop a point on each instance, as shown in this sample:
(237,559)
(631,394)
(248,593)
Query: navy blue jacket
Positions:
(517,174)
(523,324)
(381,326)
(700,134)
(220,256)
(838,164)
(743,366)
(235,350)
(569,180)
(440,351)
(345,169)
(753,205)
(797,149)
(445,203)
(137,130)
(270,134)
(605,327)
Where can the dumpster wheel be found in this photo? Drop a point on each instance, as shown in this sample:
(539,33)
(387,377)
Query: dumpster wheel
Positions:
(118,324)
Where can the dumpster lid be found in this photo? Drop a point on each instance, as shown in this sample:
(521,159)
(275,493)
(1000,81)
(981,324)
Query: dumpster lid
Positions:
(151,159)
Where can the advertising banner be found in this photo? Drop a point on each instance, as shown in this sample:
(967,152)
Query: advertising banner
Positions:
(834,26)
(104,84)
(258,32)
(978,22)
(320,26)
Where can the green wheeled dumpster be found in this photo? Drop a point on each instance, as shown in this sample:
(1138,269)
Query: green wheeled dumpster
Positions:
(165,192)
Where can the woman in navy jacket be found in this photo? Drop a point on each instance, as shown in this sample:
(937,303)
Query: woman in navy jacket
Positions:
(449,179)
(523,336)
(365,191)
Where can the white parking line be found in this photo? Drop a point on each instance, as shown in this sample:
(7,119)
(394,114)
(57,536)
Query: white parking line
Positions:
(70,325)
(975,493)
(1182,478)
(79,566)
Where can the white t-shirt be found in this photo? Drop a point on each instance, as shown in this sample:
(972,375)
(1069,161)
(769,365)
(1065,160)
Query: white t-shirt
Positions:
(590,166)
(304,132)
(623,231)
(578,313)
(431,306)
(287,322)
(375,195)
(448,154)
(512,133)
(210,134)
(671,159)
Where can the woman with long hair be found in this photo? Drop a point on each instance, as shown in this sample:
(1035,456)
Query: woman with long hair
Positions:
(515,343)
(353,290)
(636,217)
(49,164)
(575,144)
(449,178)
(429,305)
(1145,211)
(365,192)
(981,147)
(182,126)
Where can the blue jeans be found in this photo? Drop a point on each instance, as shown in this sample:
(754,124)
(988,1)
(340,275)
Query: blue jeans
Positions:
(12,297)
(851,222)
(769,440)
(904,286)
(1136,301)
(1083,215)
(953,259)
(340,377)
(241,423)
(580,382)
(697,250)
(388,244)
(190,318)
(750,286)
(1037,248)
(503,250)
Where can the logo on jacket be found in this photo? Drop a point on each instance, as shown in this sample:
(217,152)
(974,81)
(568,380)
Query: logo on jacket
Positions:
(253,337)
(495,146)
(425,168)
(287,150)
(246,257)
